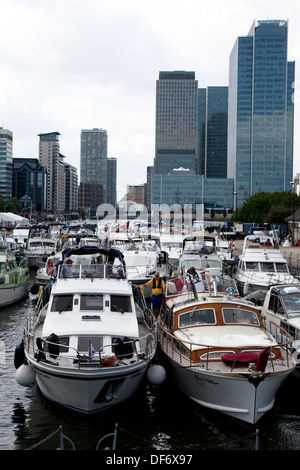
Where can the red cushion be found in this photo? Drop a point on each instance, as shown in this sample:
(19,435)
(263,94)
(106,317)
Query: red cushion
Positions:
(239,360)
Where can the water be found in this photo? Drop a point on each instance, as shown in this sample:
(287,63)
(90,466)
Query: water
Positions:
(157,418)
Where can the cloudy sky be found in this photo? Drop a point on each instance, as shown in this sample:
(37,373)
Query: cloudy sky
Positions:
(68,65)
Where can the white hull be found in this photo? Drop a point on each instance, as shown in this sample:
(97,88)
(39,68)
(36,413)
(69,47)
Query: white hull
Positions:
(89,391)
(10,295)
(234,396)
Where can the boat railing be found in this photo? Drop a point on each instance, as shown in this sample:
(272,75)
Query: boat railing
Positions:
(91,271)
(118,353)
(181,350)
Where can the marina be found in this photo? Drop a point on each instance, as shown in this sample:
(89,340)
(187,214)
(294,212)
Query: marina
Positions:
(145,421)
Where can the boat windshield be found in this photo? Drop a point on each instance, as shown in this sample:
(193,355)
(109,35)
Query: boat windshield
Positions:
(240,315)
(197,317)
(292,304)
(281,267)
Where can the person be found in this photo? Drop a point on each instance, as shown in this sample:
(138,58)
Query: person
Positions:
(231,246)
(178,281)
(158,286)
(193,272)
(68,268)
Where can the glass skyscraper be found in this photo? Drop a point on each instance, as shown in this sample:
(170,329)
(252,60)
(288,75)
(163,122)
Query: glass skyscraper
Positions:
(6,156)
(260,111)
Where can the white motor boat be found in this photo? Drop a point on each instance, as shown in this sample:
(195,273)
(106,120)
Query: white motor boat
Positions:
(200,254)
(14,279)
(221,355)
(92,343)
(259,267)
(282,306)
(172,244)
(39,245)
(143,257)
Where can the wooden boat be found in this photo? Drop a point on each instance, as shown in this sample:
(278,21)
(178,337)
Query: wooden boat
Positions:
(221,355)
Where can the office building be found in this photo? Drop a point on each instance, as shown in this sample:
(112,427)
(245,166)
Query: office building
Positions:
(176,121)
(93,156)
(30,179)
(111,186)
(261,111)
(71,189)
(212,131)
(6,156)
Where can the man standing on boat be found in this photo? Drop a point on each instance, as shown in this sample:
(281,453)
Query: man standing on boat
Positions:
(158,286)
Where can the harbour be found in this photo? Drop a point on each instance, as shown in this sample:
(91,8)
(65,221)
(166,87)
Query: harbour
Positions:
(156,418)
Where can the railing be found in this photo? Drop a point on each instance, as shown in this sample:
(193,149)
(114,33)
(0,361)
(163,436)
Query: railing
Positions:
(181,350)
(118,353)
(91,271)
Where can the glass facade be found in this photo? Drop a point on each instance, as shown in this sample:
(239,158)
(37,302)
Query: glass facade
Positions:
(260,111)
(6,156)
(93,156)
(29,180)
(188,188)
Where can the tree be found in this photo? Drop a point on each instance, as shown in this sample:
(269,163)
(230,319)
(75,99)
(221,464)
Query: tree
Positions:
(13,205)
(268,208)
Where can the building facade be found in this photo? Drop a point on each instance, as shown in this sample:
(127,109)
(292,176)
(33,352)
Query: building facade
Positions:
(176,121)
(71,189)
(6,164)
(30,179)
(111,186)
(261,111)
(50,158)
(93,156)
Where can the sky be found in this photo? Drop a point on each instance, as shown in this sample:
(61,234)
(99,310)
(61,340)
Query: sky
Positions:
(68,65)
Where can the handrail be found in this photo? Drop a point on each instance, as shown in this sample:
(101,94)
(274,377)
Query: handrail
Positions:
(171,338)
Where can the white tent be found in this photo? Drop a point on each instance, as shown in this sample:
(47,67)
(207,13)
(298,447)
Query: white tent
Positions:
(13,218)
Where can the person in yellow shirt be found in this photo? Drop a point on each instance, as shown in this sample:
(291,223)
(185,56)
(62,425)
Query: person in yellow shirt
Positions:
(158,290)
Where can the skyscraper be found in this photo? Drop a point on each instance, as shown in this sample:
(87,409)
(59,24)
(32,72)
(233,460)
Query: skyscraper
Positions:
(176,121)
(93,156)
(6,164)
(260,111)
(212,136)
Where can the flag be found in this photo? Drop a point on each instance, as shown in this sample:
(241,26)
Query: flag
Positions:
(91,351)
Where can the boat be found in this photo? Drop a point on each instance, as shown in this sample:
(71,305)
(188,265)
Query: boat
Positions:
(14,279)
(199,252)
(93,341)
(221,355)
(172,244)
(144,257)
(39,245)
(281,305)
(259,267)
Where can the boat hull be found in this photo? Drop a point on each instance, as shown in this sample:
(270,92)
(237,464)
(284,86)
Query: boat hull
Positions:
(88,391)
(234,396)
(12,294)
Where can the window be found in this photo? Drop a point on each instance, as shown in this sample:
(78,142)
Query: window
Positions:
(239,315)
(96,343)
(121,303)
(91,302)
(197,317)
(62,303)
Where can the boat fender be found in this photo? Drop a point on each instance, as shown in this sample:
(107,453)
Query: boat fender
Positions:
(262,360)
(25,375)
(19,357)
(156,374)
(246,288)
(34,289)
(53,346)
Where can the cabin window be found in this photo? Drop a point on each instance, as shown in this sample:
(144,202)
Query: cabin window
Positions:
(62,303)
(252,266)
(84,342)
(197,317)
(120,303)
(281,267)
(63,344)
(91,302)
(267,267)
(275,304)
(240,315)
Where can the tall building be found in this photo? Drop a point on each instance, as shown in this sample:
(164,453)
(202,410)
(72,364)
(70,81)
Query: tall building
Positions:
(6,156)
(71,185)
(93,156)
(176,121)
(260,111)
(212,131)
(111,186)
(51,159)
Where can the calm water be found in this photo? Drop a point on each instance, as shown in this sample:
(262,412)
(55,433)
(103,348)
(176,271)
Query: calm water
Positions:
(157,418)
